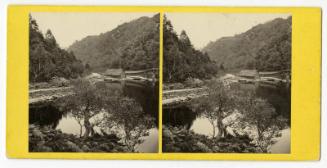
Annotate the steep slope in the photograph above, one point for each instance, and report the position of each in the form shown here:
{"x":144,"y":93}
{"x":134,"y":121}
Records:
{"x":242,"y":50}
{"x":47,"y":59}
{"x":181,"y":61}
{"x":136,"y":40}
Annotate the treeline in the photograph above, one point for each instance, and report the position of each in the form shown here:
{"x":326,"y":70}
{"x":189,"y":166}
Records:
{"x":266,"y":47}
{"x":181,"y":60}
{"x":132,"y":45}
{"x":47,"y":59}
{"x":276,"y":55}
{"x":143,"y":51}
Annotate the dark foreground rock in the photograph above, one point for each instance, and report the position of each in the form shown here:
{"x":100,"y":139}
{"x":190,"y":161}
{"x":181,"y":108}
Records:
{"x":49,"y":140}
{"x":183,"y":140}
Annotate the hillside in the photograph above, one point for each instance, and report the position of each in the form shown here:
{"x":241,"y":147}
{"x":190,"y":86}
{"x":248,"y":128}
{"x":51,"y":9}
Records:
{"x":262,"y":47}
{"x":136,"y":42}
{"x":47,"y":59}
{"x":181,"y":60}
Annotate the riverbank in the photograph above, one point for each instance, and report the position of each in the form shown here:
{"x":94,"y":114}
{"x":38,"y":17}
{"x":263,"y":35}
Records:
{"x":50,"y":140}
{"x":179,"y":139}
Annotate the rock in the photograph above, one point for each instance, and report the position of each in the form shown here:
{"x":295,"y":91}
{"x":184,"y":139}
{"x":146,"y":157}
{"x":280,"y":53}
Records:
{"x":73,"y":146}
{"x":32,"y":126}
{"x":44,"y":149}
{"x":104,"y":147}
{"x":167,"y":133}
{"x":178,"y":86}
{"x":230,"y":131}
{"x":232,"y":118}
{"x":85,"y":148}
{"x":194,"y":82}
{"x":215,"y":148}
{"x":197,"y":82}
{"x":203,"y":147}
{"x":59,"y":81}
{"x":37,"y":133}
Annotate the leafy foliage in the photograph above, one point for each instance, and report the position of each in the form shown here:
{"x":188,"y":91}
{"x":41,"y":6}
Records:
{"x":128,"y":114}
{"x":265,"y":47}
{"x":216,"y":106}
{"x":275,"y":55}
{"x":88,"y":101}
{"x":98,"y":105}
{"x":47,"y":59}
{"x":133,"y":45}
{"x":181,"y":60}
{"x":262,"y":115}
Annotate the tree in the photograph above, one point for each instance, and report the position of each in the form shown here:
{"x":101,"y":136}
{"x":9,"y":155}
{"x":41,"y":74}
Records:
{"x":141,"y":53}
{"x":222,"y":66}
{"x":87,"y":101}
{"x":185,"y":41}
{"x":215,"y":106}
{"x":47,"y":59}
{"x":128,"y":114}
{"x":259,"y":113}
{"x":91,"y":100}
{"x":50,"y":39}
{"x":276,"y":55}
{"x":181,"y":60}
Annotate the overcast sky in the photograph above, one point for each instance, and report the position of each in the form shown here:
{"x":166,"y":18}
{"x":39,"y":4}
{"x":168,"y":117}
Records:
{"x":205,"y":27}
{"x":69,"y":27}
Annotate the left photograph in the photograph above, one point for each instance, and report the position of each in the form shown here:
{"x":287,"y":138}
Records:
{"x":93,"y":82}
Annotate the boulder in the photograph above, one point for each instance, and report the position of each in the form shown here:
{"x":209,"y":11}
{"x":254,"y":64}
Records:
{"x":85,"y":148}
{"x":59,"y":81}
{"x":73,"y":147}
{"x":203,"y":147}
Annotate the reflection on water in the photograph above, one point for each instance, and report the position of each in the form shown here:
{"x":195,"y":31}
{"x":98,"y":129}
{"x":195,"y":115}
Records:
{"x":278,"y":97}
{"x":283,"y":143}
{"x":181,"y":116}
{"x":147,"y":96}
{"x":150,"y":144}
{"x":68,"y":124}
{"x":47,"y":115}
{"x":201,"y":125}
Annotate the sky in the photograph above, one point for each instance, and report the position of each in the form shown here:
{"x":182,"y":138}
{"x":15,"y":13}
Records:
{"x":69,"y":27}
{"x":205,"y":27}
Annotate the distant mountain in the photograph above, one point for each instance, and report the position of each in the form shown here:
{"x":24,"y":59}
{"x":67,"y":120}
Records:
{"x":265,"y":47}
{"x":134,"y":45}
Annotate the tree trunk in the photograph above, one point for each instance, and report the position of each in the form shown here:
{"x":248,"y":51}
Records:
{"x":259,"y":133}
{"x":81,"y":128}
{"x":214,"y":130}
{"x":220,"y":126}
{"x":127,"y":140}
{"x":88,"y":126}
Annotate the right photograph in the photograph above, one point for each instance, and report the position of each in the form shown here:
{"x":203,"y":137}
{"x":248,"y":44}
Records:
{"x":227,"y":83}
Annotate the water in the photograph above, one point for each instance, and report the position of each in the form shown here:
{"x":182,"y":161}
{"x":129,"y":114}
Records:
{"x":278,"y":97}
{"x":145,"y":95}
{"x":283,"y":142}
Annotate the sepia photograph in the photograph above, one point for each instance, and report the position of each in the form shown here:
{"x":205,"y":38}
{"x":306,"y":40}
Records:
{"x":227,"y":82}
{"x":94,"y":82}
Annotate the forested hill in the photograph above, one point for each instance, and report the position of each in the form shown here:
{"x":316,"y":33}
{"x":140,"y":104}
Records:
{"x":136,"y":43}
{"x":181,"y":60}
{"x":264,"y":47}
{"x":47,"y":59}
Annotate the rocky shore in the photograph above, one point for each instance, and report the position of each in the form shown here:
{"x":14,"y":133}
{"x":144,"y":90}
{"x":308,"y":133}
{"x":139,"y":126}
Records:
{"x":50,"y":140}
{"x":183,"y":140}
